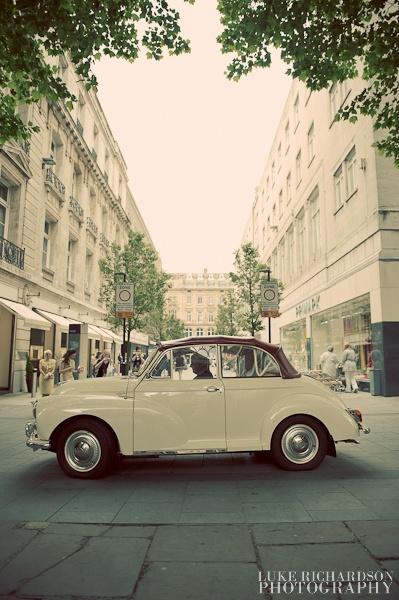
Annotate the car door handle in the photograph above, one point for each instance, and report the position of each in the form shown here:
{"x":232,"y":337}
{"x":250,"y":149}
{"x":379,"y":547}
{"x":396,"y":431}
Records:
{"x":213,"y":389}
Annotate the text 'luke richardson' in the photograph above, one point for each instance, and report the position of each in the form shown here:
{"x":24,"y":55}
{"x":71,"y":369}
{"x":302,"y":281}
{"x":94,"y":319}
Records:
{"x":325,"y":582}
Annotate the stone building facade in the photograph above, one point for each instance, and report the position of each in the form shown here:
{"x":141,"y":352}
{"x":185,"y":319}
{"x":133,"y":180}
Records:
{"x":64,"y":198}
{"x":326,"y":219}
{"x":194,"y":299}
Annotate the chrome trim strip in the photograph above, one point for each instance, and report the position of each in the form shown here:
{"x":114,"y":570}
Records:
{"x":174,"y":452}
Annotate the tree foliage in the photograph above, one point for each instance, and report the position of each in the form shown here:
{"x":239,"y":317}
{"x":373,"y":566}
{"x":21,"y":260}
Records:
{"x":324,"y":41}
{"x":139,"y":261}
{"x":164,"y":326}
{"x":246,"y":279}
{"x":32,"y":30}
{"x":228,"y":317}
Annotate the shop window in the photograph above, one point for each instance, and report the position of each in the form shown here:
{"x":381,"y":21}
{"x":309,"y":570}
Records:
{"x":293,"y":342}
{"x":64,"y":339}
{"x":36,"y":344}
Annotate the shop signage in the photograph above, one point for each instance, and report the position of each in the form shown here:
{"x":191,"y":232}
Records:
{"x":269,"y":298}
{"x":307,"y":307}
{"x":124,"y":300}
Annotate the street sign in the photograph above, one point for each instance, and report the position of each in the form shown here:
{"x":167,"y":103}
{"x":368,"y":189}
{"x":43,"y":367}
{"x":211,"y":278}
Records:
{"x":124,"y":300}
{"x":269,"y":298}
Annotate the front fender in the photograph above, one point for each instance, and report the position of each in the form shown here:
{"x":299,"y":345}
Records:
{"x":338,"y":422}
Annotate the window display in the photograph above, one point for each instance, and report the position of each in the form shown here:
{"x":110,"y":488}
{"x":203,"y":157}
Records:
{"x":293,"y":341}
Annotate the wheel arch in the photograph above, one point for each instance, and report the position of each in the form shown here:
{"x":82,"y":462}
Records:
{"x":57,"y":431}
{"x":330,"y":441}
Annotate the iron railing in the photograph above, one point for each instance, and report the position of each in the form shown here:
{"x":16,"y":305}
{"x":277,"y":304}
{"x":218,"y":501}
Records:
{"x":91,"y":226}
{"x":76,"y":209}
{"x":11,"y":253}
{"x":104,"y":241}
{"x":54,"y":182}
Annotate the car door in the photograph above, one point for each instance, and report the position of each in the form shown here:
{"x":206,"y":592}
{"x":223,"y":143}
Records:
{"x":180,"y":405}
{"x":253,"y":385}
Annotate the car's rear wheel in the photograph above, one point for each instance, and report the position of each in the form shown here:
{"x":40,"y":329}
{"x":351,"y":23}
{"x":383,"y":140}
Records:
{"x":299,"y":444}
{"x":85,"y":449}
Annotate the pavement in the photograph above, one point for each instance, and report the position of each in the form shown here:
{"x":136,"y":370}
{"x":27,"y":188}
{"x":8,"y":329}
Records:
{"x":199,"y":527}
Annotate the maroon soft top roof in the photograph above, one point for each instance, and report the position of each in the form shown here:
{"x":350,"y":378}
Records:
{"x":287,"y":370}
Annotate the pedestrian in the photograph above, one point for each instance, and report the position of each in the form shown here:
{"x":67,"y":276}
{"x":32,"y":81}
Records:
{"x":46,"y":370}
{"x":180,"y":364}
{"x":102,"y":364}
{"x":68,"y":367}
{"x":329,"y":362}
{"x":349,"y":367}
{"x":137,"y":359}
{"x":93,"y":360}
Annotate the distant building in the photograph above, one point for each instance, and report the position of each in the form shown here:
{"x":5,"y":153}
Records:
{"x":194,"y":298}
{"x":326,"y":218}
{"x":64,"y":198}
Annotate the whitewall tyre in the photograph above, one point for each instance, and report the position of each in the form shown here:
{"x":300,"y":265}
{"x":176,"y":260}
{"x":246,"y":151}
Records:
{"x":299,"y":444}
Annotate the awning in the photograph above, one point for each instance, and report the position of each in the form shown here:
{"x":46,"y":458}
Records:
{"x":94,"y":332}
{"x":63,"y":322}
{"x":30,"y":317}
{"x":115,"y":337}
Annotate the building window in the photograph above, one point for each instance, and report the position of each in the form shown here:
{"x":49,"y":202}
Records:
{"x":268,"y":228}
{"x":301,"y":238}
{"x":288,"y":188}
{"x":298,"y":167}
{"x":296,"y":112}
{"x":274,"y":215}
{"x":188,"y":316}
{"x":339,"y":187}
{"x":199,"y":316}
{"x":345,"y":183}
{"x":350,"y":162}
{"x":279,"y":156}
{"x":3,"y":210}
{"x":71,"y":260}
{"x":281,"y":260}
{"x":287,"y":136}
{"x":210,"y":317}
{"x":280,"y":203}
{"x":189,"y":332}
{"x":273,"y":172}
{"x":46,"y":254}
{"x":211,"y":331}
{"x":334,"y":101}
{"x":89,"y":271}
{"x":314,"y":224}
{"x":290,"y":253}
{"x":311,"y":143}
{"x":199,"y":331}
{"x":188,"y":299}
{"x":199,"y":300}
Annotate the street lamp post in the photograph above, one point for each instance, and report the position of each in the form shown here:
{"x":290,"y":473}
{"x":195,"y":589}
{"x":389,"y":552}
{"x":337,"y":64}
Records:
{"x":124,"y":353}
{"x":268,"y":271}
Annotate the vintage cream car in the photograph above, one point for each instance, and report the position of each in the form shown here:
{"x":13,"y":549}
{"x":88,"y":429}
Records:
{"x":194,"y":395}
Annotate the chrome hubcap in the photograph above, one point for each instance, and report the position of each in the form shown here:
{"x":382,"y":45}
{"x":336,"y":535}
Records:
{"x":300,"y":444}
{"x":82,"y":451}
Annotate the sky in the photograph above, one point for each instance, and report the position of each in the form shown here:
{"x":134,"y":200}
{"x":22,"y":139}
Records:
{"x":195,"y":143}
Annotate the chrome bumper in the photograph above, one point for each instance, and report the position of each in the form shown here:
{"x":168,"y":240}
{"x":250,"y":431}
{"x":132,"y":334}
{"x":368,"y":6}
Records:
{"x":32,"y":441}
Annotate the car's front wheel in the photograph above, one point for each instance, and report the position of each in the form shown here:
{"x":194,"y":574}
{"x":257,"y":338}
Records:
{"x":85,"y":449}
{"x":299,"y":444}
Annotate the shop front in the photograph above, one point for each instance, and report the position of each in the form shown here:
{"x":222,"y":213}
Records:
{"x":346,"y":323}
{"x":294,"y":343}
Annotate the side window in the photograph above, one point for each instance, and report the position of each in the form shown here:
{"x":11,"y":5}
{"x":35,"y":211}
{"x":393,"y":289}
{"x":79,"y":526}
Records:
{"x":162,"y":368}
{"x":194,"y":362}
{"x":246,"y":361}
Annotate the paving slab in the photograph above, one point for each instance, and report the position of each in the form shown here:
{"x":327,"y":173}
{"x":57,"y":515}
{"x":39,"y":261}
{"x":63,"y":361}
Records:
{"x":75,"y":529}
{"x":226,"y":518}
{"x":151,"y":513}
{"x":12,"y":541}
{"x":343,"y":514}
{"x":301,"y":533}
{"x":316,"y":557}
{"x":43,"y":553}
{"x":380,"y":538}
{"x":199,"y":581}
{"x":121,"y":531}
{"x":275,"y":512}
{"x":212,"y":543}
{"x":104,"y":567}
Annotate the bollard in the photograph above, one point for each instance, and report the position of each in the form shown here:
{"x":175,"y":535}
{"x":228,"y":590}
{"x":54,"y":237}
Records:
{"x":34,"y":384}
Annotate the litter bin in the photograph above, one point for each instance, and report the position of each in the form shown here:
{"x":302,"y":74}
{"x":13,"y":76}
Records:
{"x":375,"y":382}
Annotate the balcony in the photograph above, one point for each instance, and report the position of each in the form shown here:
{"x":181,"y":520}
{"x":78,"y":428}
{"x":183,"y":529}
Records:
{"x":103,"y":241}
{"x":91,"y":226}
{"x":76,"y":210}
{"x":11,"y":253}
{"x":54,"y":184}
{"x":94,"y":154}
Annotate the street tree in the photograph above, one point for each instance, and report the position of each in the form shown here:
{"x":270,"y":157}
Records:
{"x":324,"y":41}
{"x":164,"y":326}
{"x":246,"y":279}
{"x":138,"y":260}
{"x":33,"y":30}
{"x":228,"y":317}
